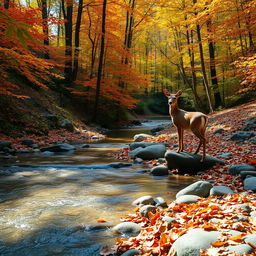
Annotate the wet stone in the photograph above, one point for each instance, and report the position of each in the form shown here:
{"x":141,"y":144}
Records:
{"x":128,"y":228}
{"x":220,"y":191}
{"x":144,"y":200}
{"x":187,"y":199}
{"x":144,"y":210}
{"x":240,"y":249}
{"x":131,"y":252}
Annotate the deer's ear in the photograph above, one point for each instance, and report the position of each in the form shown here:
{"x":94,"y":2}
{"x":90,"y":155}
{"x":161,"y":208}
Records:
{"x":179,"y":93}
{"x":166,"y":92}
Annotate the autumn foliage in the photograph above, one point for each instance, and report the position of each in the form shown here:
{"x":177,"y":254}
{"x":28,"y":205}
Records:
{"x":20,"y":48}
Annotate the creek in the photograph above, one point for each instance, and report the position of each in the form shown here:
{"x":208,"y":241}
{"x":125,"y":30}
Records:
{"x":50,"y":204}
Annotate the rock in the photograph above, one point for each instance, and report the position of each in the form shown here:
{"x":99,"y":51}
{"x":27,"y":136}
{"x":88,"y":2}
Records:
{"x":244,"y":174}
{"x":144,"y":200}
{"x":145,"y":209}
{"x":253,"y":213}
{"x":187,"y":199}
{"x":220,"y":191}
{"x":137,"y":160}
{"x":226,"y":155}
{"x":47,"y":153}
{"x":135,"y":145}
{"x":250,"y":124}
{"x":95,"y":137}
{"x":134,"y":123}
{"x":161,"y":160}
{"x":5,"y":144}
{"x":141,"y":137}
{"x":51,"y":117}
{"x":159,"y":170}
{"x":250,"y":183}
{"x":25,"y":151}
{"x":242,"y":135}
{"x":241,"y":218}
{"x":131,"y":252}
{"x":193,"y":241}
{"x":252,"y":140}
{"x":251,"y":239}
{"x":119,"y":165}
{"x":27,"y":142}
{"x":240,"y":249}
{"x":127,"y":228}
{"x":155,"y":130}
{"x":169,"y":220}
{"x":218,"y":131}
{"x":237,"y":168}
{"x":199,"y":188}
{"x":150,"y":152}
{"x":244,"y":207}
{"x":184,"y":161}
{"x":85,"y":146}
{"x":66,"y":124}
{"x":160,"y":202}
{"x":63,"y":147}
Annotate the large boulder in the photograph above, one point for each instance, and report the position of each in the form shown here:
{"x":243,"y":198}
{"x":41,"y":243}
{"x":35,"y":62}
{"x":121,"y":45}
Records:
{"x":188,"y":162}
{"x":199,"y":188}
{"x":63,"y":147}
{"x":141,"y":137}
{"x":193,"y":241}
{"x":150,"y":152}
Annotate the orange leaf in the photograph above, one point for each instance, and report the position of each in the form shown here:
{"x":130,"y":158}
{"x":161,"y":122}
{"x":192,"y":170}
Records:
{"x":238,"y":238}
{"x":209,"y":227}
{"x":101,"y":221}
{"x":218,"y":243}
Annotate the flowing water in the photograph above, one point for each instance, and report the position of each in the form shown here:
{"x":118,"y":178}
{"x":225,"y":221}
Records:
{"x":50,"y":204}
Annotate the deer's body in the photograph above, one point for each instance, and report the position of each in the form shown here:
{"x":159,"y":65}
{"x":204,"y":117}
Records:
{"x":190,"y":121}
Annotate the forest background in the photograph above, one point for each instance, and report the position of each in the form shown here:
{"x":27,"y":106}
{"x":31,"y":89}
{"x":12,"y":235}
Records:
{"x":106,"y":61}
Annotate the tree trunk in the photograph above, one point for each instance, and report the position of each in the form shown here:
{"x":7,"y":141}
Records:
{"x":201,"y":53}
{"x":77,"y":39}
{"x":213,"y":72}
{"x":6,"y":4}
{"x":45,"y":27}
{"x":102,"y":48}
{"x":68,"y":39}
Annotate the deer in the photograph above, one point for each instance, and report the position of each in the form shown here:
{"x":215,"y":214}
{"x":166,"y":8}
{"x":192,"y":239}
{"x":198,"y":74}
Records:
{"x":190,"y":121}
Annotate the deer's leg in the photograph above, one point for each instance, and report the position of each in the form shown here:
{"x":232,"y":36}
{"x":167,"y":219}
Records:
{"x":201,"y":137}
{"x":179,"y":139}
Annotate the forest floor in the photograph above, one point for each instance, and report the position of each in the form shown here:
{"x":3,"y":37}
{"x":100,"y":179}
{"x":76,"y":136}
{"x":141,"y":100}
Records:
{"x":156,"y":237}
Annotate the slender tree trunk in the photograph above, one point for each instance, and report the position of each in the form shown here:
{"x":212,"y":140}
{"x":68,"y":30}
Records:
{"x":59,"y":26}
{"x":102,"y":48}
{"x":201,"y":53}
{"x":6,"y":4}
{"x":45,"y":27}
{"x":77,"y":39}
{"x":213,"y":72}
{"x":68,"y":38}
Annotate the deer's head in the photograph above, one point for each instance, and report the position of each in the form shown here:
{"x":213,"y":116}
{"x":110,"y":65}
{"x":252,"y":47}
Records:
{"x":172,"y":98}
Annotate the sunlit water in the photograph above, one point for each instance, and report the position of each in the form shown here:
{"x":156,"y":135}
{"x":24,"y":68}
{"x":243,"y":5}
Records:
{"x":49,"y":205}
